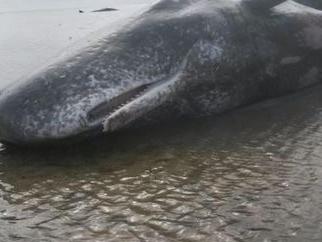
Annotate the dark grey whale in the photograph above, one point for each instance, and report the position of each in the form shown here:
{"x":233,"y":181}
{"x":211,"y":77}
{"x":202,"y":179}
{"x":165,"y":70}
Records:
{"x":181,"y":58}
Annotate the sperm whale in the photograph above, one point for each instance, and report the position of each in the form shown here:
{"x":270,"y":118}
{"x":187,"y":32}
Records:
{"x":181,"y":58}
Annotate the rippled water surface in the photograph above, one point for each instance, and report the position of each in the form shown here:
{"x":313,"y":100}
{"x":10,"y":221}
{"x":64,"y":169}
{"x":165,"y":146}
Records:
{"x":254,"y":174}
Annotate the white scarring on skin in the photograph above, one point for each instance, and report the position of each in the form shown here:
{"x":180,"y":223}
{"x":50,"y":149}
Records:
{"x":158,"y":94}
{"x":151,"y":99}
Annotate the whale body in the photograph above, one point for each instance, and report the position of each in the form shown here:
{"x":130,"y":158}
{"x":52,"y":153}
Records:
{"x":181,"y":58}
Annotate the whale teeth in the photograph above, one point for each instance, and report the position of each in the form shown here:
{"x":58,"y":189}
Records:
{"x":108,"y":107}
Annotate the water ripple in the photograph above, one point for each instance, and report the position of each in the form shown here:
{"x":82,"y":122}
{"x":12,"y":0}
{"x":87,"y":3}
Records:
{"x":249,"y":175}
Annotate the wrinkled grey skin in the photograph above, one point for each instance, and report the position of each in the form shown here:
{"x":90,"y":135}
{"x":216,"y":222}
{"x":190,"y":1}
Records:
{"x":182,"y":58}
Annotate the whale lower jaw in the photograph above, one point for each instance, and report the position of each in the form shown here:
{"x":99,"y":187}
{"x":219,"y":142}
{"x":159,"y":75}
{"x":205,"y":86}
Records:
{"x":152,"y":97}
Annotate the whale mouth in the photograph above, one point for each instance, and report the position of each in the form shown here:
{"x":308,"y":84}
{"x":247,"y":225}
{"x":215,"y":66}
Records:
{"x":122,"y":110}
{"x":107,"y":108}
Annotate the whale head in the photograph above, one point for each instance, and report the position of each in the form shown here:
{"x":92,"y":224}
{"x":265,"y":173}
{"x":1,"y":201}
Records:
{"x":117,"y":81}
{"x":47,"y":109}
{"x":58,"y":104}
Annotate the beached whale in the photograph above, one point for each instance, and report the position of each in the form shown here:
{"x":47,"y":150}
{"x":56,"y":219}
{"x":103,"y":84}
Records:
{"x":181,"y":58}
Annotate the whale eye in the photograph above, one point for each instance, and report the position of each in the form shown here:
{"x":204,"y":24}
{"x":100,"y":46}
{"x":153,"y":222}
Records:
{"x":107,"y":107}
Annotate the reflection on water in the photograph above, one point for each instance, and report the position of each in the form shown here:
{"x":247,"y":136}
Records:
{"x":249,"y":175}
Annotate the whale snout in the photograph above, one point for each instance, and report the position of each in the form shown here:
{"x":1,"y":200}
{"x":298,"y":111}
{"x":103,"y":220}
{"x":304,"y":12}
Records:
{"x":45,"y":115}
{"x":28,"y":117}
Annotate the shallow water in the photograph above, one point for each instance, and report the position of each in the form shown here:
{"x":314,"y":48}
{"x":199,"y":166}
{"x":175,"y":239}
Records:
{"x":254,"y":174}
